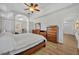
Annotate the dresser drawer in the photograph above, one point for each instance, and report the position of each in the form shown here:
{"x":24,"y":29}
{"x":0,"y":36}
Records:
{"x":52,"y":39}
{"x":51,"y":35}
{"x":51,"y":28}
{"x":51,"y":31}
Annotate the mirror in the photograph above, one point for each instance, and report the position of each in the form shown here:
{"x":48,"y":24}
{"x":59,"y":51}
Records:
{"x":38,"y":26}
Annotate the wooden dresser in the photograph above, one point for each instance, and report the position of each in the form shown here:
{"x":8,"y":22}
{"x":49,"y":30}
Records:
{"x":40,"y":32}
{"x":52,"y":33}
{"x":36,"y":31}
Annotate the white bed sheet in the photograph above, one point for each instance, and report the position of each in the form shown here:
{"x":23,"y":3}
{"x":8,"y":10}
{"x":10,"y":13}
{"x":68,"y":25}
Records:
{"x":26,"y":41}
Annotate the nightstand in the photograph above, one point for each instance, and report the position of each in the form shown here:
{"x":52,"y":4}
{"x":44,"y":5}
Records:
{"x":43,"y":33}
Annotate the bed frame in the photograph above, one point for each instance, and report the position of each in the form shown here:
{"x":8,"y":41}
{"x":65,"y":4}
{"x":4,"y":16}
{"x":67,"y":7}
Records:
{"x":33,"y":49}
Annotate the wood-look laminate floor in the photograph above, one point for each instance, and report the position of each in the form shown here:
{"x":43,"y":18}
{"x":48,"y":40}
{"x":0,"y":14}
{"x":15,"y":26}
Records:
{"x":68,"y":48}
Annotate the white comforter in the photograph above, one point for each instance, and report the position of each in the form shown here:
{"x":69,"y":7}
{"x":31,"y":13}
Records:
{"x":7,"y":42}
{"x":17,"y":43}
{"x":26,"y":39}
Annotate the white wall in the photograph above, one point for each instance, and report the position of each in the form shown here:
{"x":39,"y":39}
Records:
{"x":0,"y":24}
{"x":69,"y":28}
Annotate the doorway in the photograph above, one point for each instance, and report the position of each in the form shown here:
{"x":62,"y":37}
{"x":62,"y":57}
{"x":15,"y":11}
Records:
{"x":21,"y":24}
{"x":70,"y":41}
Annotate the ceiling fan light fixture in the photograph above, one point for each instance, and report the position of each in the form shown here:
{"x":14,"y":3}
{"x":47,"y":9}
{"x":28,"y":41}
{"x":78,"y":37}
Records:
{"x":31,"y":9}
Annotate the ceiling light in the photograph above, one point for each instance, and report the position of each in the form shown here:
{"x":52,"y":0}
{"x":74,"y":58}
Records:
{"x":31,"y":9}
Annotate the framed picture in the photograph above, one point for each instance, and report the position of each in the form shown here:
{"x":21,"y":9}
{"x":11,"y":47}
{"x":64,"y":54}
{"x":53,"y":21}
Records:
{"x":77,"y":25}
{"x":38,"y":26}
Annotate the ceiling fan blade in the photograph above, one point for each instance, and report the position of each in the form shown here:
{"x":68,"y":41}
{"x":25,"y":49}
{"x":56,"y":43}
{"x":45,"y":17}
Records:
{"x":36,"y":5}
{"x":31,"y":4}
{"x":32,"y":11}
{"x":26,"y":9}
{"x":37,"y":9}
{"x":26,"y":4}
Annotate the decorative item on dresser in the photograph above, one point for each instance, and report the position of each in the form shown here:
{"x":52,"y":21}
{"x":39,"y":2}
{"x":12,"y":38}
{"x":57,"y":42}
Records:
{"x":52,"y":33}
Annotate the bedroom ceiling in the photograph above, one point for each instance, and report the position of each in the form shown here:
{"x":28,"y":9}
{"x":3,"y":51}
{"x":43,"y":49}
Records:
{"x":44,"y":7}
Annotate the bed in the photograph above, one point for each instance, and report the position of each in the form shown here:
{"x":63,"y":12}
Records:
{"x":26,"y":43}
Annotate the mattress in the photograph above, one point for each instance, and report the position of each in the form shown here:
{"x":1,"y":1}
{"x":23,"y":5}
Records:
{"x":26,"y":41}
